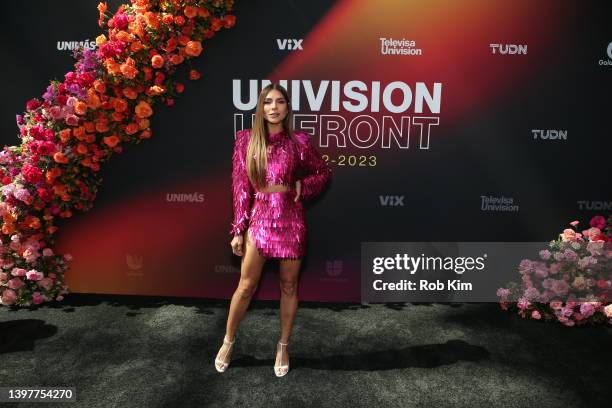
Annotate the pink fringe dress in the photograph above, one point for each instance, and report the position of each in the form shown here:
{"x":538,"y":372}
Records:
{"x":274,"y":221}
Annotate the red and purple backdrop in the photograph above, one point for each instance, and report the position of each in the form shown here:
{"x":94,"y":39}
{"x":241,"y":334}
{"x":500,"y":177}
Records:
{"x":442,"y":121}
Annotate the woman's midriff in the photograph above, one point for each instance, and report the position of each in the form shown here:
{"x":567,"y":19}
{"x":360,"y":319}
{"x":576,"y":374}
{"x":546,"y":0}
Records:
{"x":275,"y":188}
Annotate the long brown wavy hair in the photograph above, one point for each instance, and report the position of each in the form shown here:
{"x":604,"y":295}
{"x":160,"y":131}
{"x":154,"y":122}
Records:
{"x":256,"y":166}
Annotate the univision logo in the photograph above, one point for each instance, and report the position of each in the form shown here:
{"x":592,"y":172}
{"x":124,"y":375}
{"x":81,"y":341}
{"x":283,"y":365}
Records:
{"x":72,"y":45}
{"x":607,"y":62}
{"x":185,"y":197}
{"x":549,"y":134}
{"x":508,"y":49}
{"x":290,"y":44}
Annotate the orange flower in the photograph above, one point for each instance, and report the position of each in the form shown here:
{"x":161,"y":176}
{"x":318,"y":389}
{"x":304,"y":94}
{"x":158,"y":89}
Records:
{"x":119,"y":104}
{"x":183,"y":40}
{"x":99,"y":86}
{"x":111,"y":141}
{"x":52,"y":174}
{"x":32,"y":222}
{"x":194,"y":75}
{"x":64,"y":135}
{"x":130,"y":93}
{"x":102,"y":7}
{"x":176,"y":59}
{"x":8,"y":229}
{"x":190,"y":11}
{"x":168,"y":19}
{"x":124,"y":36}
{"x":229,"y":21}
{"x":128,"y":70}
{"x":155,"y":90}
{"x":102,"y":125}
{"x":179,"y":20}
{"x":93,"y":101}
{"x":171,"y":44}
{"x":143,"y":110}
{"x":112,"y":66}
{"x":145,"y":134}
{"x":136,"y":28}
{"x":81,"y":148}
{"x":60,"y":157}
{"x":179,"y":87}
{"x":117,"y":116}
{"x":51,"y":229}
{"x":101,"y":39}
{"x":90,"y":138}
{"x":143,"y":123}
{"x":89,"y":127}
{"x":80,"y":108}
{"x":202,"y":12}
{"x":216,"y":24}
{"x":151,"y":19}
{"x":193,"y":48}
{"x":131,"y":128}
{"x":136,"y":46}
{"x":79,"y":132}
{"x":157,"y":61}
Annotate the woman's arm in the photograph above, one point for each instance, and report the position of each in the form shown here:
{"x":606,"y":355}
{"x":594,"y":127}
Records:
{"x":316,"y":172}
{"x":242,"y":190}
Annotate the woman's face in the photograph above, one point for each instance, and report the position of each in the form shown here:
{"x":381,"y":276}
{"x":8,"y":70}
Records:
{"x":275,"y":107}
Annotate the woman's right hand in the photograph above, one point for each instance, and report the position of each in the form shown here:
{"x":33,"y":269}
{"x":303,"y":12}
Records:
{"x":237,"y":245}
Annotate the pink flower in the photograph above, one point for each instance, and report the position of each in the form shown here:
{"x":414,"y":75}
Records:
{"x":570,"y":255}
{"x":503,"y":293}
{"x":68,"y":257}
{"x":554,"y":268}
{"x":47,"y":252}
{"x":558,"y":256}
{"x":18,"y":272}
{"x":560,"y":287}
{"x":59,"y":298}
{"x":45,"y":283}
{"x":556,"y":304}
{"x":591,"y":233}
{"x":598,"y":222}
{"x":545,"y":254}
{"x":37,"y":298}
{"x":22,"y":195}
{"x":15,"y":283}
{"x":55,"y":112}
{"x":72,"y":120}
{"x":566,"y":321}
{"x":587,"y":309}
{"x":570,"y":235}
{"x":8,"y":297}
{"x":574,"y":223}
{"x":608,"y":310}
{"x":523,"y":303}
{"x":525,"y":266}
{"x":536,"y":315}
{"x":595,"y":247}
{"x":34,"y":275}
{"x":3,"y":277}
{"x":71,"y":101}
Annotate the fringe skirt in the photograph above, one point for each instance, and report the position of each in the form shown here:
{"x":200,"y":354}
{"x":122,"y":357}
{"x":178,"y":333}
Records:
{"x":277,"y":226}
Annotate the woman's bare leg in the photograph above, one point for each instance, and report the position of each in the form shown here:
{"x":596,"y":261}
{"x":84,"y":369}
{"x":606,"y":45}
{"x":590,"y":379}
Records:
{"x":250,"y":273}
{"x":289,"y":274}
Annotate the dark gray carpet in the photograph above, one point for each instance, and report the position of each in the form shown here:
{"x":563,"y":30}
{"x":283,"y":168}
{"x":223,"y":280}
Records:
{"x":121,"y":351}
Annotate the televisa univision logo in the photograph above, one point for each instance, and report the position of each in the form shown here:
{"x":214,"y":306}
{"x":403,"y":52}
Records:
{"x":392,"y":46}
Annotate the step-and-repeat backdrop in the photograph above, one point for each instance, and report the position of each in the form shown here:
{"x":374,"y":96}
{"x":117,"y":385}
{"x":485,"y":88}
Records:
{"x":444,"y":121}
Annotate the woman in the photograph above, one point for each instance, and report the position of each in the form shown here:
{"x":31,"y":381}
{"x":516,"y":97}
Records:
{"x":283,"y":167}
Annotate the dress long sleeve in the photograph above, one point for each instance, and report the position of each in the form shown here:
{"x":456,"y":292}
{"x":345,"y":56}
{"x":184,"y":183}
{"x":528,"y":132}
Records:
{"x":316,"y":173}
{"x":242,"y":189}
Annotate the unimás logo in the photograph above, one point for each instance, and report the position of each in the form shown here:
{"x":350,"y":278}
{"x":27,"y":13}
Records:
{"x":490,"y":203}
{"x":607,"y":62}
{"x":290,"y":44}
{"x":72,"y":45}
{"x":584,"y":205}
{"x":508,"y":49}
{"x":185,"y":197}
{"x":392,"y":46}
{"x":391,"y":200}
{"x":549,"y":134}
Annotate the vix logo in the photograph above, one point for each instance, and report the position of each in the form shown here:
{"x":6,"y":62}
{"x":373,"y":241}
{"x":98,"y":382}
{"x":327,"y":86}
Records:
{"x":290,"y":44}
{"x":391,"y":201}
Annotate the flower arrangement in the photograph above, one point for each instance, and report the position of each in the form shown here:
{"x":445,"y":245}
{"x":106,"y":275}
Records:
{"x":80,"y":122}
{"x":570,"y":282}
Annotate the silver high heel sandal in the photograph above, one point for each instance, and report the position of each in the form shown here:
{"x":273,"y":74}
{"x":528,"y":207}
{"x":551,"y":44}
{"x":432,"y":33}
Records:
{"x":281,"y":370}
{"x":221,"y":364}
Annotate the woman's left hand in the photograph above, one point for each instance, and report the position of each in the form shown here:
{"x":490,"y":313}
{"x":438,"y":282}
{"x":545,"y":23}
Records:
{"x":298,"y":190}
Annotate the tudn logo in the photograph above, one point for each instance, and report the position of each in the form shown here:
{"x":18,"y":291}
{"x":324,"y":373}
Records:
{"x":595,"y":205}
{"x":508,"y":49}
{"x":134,"y":262}
{"x":549,"y":134}
{"x":72,"y":45}
{"x":185,"y":198}
{"x":291,"y":44}
{"x":391,"y":201}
